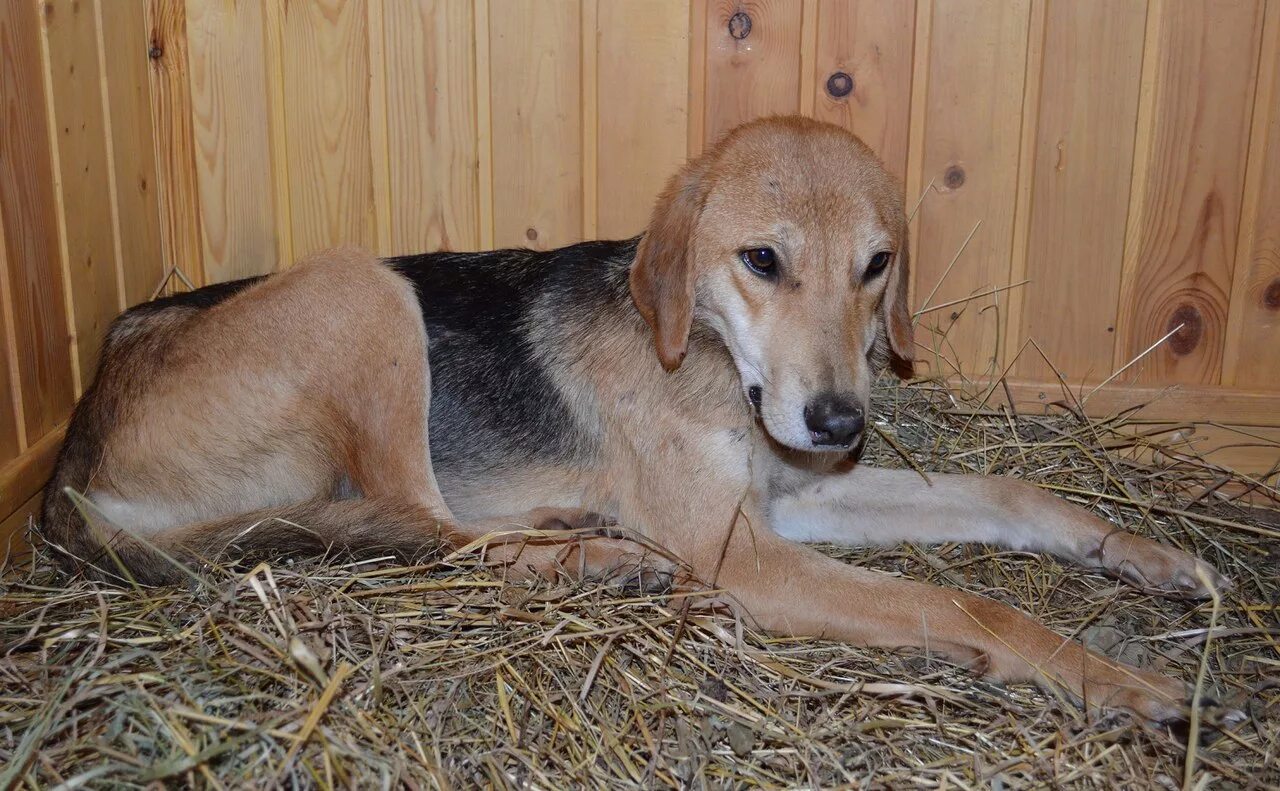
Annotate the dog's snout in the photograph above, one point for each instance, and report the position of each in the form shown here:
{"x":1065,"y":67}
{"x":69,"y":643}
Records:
{"x":833,"y":420}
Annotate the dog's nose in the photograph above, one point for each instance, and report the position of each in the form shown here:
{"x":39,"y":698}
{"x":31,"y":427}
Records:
{"x":833,"y":420}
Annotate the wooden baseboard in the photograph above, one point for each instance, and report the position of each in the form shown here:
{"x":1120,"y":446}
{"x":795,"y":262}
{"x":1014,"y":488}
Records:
{"x":1167,"y":403}
{"x":1234,"y":429}
{"x":21,"y":481}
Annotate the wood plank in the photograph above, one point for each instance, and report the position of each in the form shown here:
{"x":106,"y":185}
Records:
{"x":1236,"y":429}
{"x":917,"y":189}
{"x":1252,"y":451}
{"x":535,"y":92}
{"x":484,"y":126}
{"x":1082,"y":156}
{"x":1160,"y":402}
{"x":25,"y":476}
{"x":123,"y":30}
{"x":808,"y":53}
{"x":79,"y":123}
{"x":431,"y":122}
{"x":1189,"y":176}
{"x":177,"y":183}
{"x":273,"y":45}
{"x":327,"y":83}
{"x":1015,"y":299}
{"x":753,"y":61}
{"x":976,"y":75}
{"x":697,"y":106}
{"x":870,"y":42}
{"x":14,"y":527}
{"x":44,"y":374}
{"x":643,"y":121}
{"x":13,"y":434}
{"x":230,"y":115}
{"x":379,"y":144}
{"x":1252,"y":357}
{"x":589,"y":112}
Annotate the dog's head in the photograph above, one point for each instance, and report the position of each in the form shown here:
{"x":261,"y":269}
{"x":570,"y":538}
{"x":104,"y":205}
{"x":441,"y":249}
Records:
{"x":789,"y":240}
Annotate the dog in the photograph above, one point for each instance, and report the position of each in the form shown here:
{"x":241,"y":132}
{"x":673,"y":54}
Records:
{"x":703,"y":385}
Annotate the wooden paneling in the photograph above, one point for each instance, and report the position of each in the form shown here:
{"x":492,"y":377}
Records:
{"x":12,"y":433}
{"x":1120,"y":156}
{"x":326,"y":93}
{"x":80,"y":138}
{"x":1253,"y":327}
{"x":1082,"y":160}
{"x":229,"y":113}
{"x":535,"y":90}
{"x":976,"y":75}
{"x":642,"y":99}
{"x":870,"y":42}
{"x":123,"y":31}
{"x":177,"y":178}
{"x":1193,"y":141}
{"x":28,"y":212}
{"x":13,"y":529}
{"x":431,"y":124}
{"x":23,"y":478}
{"x":753,"y":61}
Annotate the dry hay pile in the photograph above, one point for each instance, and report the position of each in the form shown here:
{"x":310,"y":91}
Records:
{"x":311,"y":674}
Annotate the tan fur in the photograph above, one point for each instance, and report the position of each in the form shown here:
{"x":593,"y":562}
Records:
{"x":285,"y":391}
{"x":267,"y":404}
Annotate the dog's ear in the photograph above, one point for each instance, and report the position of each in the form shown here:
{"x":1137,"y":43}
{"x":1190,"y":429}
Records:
{"x":663,"y":273}
{"x":896,"y":312}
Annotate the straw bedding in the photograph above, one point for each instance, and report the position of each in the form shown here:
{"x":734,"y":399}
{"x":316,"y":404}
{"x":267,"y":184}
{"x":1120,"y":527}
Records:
{"x":336,"y":674}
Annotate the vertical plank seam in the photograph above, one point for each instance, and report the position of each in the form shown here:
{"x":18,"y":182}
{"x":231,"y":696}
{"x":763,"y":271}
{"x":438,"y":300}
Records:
{"x":379,"y":140}
{"x":1255,"y":163}
{"x":113,"y":196}
{"x":55,"y":161}
{"x":808,"y":56}
{"x":1030,"y":133}
{"x":11,"y":345}
{"x":273,"y":42}
{"x":590,"y":76}
{"x":1144,"y":135}
{"x":914,"y":188}
{"x":484,"y":124}
{"x":697,"y":112}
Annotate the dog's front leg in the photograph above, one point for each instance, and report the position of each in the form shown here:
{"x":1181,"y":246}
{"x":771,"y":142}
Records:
{"x":875,"y":506}
{"x":788,"y":588}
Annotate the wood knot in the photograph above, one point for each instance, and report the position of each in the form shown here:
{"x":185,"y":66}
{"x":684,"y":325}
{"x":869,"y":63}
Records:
{"x":953,"y":177}
{"x":740,"y":25}
{"x":1271,"y":297}
{"x":531,"y":234}
{"x":839,"y":85}
{"x":156,"y":51}
{"x":1187,"y":326}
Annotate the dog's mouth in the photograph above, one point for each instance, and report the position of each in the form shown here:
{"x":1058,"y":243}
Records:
{"x":795,"y":434}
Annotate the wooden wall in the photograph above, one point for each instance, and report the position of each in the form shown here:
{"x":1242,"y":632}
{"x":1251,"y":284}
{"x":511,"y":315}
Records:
{"x":1114,"y":165}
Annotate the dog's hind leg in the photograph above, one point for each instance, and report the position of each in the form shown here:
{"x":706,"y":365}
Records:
{"x":386,"y":403}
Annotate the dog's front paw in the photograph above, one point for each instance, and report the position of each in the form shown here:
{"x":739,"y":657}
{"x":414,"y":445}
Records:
{"x":1153,"y":566}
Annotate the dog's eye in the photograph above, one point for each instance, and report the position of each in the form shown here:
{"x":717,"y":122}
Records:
{"x":761,"y":260}
{"x":877,"y":264}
